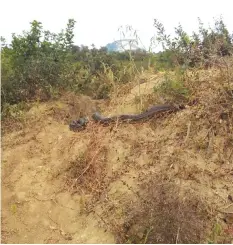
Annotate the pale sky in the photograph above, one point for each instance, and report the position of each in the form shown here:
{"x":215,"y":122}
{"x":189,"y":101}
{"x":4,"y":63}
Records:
{"x":99,"y":20}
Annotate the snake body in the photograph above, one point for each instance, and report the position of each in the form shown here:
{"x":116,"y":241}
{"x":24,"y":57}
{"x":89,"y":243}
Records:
{"x":80,"y":124}
{"x":127,"y":117}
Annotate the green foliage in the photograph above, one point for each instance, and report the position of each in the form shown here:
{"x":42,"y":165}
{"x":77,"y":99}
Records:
{"x":15,"y":112}
{"x":216,"y":232}
{"x":199,"y":49}
{"x":173,"y":89}
{"x":33,"y":62}
{"x":39,"y":64}
{"x":164,"y":60}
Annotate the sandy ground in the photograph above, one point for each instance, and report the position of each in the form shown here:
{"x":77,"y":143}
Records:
{"x":38,"y":206}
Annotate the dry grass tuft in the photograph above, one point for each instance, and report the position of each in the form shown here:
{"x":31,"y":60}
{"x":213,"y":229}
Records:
{"x":73,"y":107}
{"x":87,"y":174}
{"x":164,"y":213}
{"x":69,"y":107}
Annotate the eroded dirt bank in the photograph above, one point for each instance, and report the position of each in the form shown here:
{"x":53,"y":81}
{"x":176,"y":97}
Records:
{"x":166,"y":180}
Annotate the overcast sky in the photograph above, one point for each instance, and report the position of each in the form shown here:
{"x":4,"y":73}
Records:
{"x":99,"y":20}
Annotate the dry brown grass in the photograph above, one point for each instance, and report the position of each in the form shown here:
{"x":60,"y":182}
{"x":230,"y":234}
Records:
{"x":87,"y":174}
{"x":164,"y":213}
{"x":69,"y":107}
{"x":77,"y":106}
{"x":178,"y":188}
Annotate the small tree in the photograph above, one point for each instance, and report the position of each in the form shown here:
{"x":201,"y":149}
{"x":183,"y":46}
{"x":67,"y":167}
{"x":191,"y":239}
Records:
{"x":34,"y":61}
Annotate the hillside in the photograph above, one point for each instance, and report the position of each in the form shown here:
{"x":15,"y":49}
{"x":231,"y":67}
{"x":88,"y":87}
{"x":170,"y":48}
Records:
{"x":165,"y":180}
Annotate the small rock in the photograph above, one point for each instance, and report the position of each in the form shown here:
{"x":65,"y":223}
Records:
{"x":21,"y":196}
{"x":230,"y":198}
{"x":67,"y":236}
{"x":52,"y":227}
{"x":228,"y":219}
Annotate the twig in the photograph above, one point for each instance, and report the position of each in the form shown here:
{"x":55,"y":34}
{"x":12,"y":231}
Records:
{"x":43,"y":200}
{"x":226,"y":212}
{"x":147,"y":234}
{"x":178,"y":233}
{"x":117,"y":122}
{"x":101,"y":219}
{"x":53,"y":220}
{"x":188,"y":132}
{"x":88,"y":166}
{"x":59,"y":204}
{"x":210,"y":143}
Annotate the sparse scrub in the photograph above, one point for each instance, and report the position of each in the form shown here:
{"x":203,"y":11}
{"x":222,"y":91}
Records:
{"x":14,"y":116}
{"x":178,"y":164}
{"x":173,"y":89}
{"x":87,"y":174}
{"x":202,"y":49}
{"x":40,"y":65}
{"x":162,"y":213}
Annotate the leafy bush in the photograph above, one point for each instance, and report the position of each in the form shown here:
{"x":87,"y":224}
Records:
{"x":200,"y":49}
{"x":172,"y":88}
{"x":38,"y":64}
{"x":33,"y":62}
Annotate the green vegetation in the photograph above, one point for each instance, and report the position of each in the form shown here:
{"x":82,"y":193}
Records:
{"x":190,"y":148}
{"x":39,"y":65}
{"x":173,"y":88}
{"x":200,"y":49}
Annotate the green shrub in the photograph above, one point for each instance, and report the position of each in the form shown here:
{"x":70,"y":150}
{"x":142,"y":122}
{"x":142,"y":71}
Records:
{"x":173,"y":89}
{"x":34,"y":61}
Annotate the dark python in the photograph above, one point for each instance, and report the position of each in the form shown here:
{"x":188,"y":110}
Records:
{"x":80,"y":124}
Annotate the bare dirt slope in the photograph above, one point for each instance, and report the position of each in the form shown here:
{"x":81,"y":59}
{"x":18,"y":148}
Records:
{"x":147,"y":182}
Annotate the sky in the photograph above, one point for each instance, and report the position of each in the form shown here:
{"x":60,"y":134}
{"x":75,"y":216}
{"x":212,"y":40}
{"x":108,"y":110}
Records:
{"x":97,"y":21}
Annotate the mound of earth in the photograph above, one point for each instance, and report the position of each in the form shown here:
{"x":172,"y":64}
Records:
{"x":166,"y":180}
